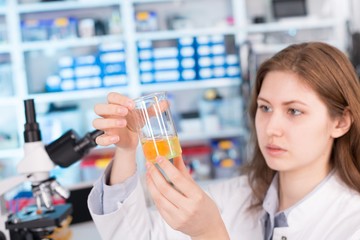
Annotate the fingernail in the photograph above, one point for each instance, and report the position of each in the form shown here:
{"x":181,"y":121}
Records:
{"x":120,"y":122}
{"x":114,"y":139}
{"x":120,"y":110}
{"x":130,"y":104}
{"x":159,"y":159}
{"x":148,"y":165}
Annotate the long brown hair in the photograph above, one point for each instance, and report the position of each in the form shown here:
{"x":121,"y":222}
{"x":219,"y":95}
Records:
{"x":331,"y":75}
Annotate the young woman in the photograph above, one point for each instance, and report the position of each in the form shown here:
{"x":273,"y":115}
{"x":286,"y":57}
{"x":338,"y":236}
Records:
{"x":303,"y":181}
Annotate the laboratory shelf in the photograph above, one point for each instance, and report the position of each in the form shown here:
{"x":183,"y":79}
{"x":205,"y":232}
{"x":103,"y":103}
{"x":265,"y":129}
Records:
{"x":262,"y":48}
{"x":11,"y":153}
{"x":173,"y":34}
{"x":3,"y":10}
{"x":102,"y":92}
{"x":187,"y":85}
{"x":77,"y":95}
{"x":5,"y":48}
{"x":201,"y":135}
{"x":61,"y":6}
{"x":152,"y":1}
{"x":70,"y":43}
{"x":8,"y":101}
{"x":288,"y":25}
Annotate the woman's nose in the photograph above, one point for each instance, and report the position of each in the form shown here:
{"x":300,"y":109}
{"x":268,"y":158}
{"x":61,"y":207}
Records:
{"x":275,"y":125}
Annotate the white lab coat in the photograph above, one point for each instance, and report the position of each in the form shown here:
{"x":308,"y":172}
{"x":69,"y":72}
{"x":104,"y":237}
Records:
{"x":331,"y":213}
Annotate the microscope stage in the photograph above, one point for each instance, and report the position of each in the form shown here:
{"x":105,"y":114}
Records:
{"x":28,"y":218}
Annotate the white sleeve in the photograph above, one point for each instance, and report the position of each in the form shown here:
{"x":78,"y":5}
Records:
{"x":355,"y":236}
{"x":132,"y":219}
{"x":106,"y":201}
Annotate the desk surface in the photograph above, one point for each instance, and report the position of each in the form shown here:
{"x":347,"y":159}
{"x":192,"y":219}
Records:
{"x":86,"y":230}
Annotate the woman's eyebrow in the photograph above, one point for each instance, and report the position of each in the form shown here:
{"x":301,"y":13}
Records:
{"x":262,"y":99}
{"x":294,"y":101}
{"x":284,"y":103}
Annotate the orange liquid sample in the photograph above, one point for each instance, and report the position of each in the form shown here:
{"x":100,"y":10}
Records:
{"x":167,"y":147}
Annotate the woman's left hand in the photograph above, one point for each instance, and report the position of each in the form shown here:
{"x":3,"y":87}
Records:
{"x":183,"y":204}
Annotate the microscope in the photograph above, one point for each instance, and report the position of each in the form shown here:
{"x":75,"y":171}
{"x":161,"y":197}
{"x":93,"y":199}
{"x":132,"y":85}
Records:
{"x":39,"y":221}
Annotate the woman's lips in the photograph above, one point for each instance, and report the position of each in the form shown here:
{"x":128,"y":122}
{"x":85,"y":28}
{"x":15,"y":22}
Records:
{"x":274,"y":150}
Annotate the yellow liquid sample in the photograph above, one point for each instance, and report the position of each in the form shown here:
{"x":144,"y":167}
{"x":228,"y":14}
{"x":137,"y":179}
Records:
{"x":167,"y":147}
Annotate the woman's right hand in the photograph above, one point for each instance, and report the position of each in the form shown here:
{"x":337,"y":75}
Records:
{"x":113,"y":122}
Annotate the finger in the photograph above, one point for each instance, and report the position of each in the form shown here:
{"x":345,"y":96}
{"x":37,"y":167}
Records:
{"x":134,"y":120}
{"x":163,"y":186}
{"x":117,"y":98}
{"x":158,"y":107}
{"x":107,"y":123}
{"x":167,"y":209}
{"x":106,"y":140}
{"x":110,"y":110}
{"x":181,"y":182}
{"x":159,"y":199}
{"x":179,"y":164}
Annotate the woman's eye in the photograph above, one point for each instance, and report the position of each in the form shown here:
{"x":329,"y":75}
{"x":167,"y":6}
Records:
{"x":294,"y":112}
{"x":265,"y":108}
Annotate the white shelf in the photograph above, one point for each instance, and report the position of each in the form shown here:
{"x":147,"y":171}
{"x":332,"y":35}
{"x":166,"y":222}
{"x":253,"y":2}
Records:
{"x":102,"y":92}
{"x":262,"y":48}
{"x":5,"y":48}
{"x":223,"y":133}
{"x":173,"y":34}
{"x":67,"y":5}
{"x":295,"y":24}
{"x":3,"y":10}
{"x":8,"y":101}
{"x":77,"y":95}
{"x":70,"y":43}
{"x":11,"y":153}
{"x":152,"y":1}
{"x":271,"y":48}
{"x":186,"y":85}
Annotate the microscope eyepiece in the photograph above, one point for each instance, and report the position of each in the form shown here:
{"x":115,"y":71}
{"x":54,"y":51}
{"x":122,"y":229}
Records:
{"x":70,"y":148}
{"x":32,"y":131}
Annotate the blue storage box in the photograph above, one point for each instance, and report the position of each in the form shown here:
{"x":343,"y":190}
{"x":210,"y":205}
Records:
{"x":166,"y":64}
{"x":114,"y":80}
{"x":167,"y":76}
{"x":87,"y":71}
{"x":112,"y":57}
{"x":67,"y":85}
{"x":88,"y":82}
{"x":147,"y":77}
{"x":112,"y":47}
{"x":165,"y":52}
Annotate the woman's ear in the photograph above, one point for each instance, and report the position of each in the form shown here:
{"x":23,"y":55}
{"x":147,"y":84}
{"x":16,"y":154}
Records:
{"x":343,"y":124}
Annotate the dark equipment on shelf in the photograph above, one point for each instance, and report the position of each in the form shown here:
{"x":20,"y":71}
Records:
{"x":288,"y":8}
{"x":355,"y":51}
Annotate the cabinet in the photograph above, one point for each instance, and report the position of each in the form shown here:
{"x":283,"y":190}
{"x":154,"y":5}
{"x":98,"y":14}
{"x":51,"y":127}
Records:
{"x":30,"y":56}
